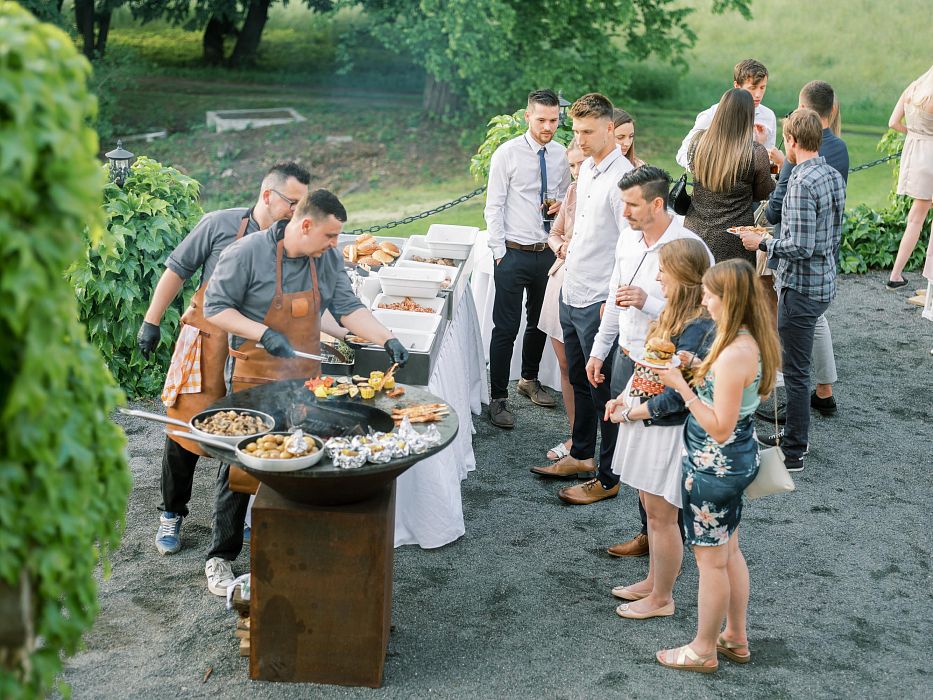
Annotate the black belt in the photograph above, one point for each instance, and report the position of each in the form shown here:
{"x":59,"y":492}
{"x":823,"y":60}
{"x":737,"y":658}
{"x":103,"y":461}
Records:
{"x":532,"y":248}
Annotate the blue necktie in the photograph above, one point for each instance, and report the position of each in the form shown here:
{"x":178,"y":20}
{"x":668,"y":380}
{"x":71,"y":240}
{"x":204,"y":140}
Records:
{"x":543,"y":163}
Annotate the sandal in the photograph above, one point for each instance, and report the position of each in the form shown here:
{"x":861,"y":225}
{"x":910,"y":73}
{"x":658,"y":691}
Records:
{"x":685,"y":659}
{"x":560,"y":450}
{"x":728,"y":649}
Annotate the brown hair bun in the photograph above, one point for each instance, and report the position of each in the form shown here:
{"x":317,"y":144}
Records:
{"x":368,"y":260}
{"x":383,"y":257}
{"x":367,"y":247}
{"x":390,"y":248}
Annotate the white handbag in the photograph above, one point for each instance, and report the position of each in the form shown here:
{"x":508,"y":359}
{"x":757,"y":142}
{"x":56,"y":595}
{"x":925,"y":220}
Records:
{"x":773,"y":476}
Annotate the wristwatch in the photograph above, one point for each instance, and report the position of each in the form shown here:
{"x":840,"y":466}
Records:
{"x":763,"y":245}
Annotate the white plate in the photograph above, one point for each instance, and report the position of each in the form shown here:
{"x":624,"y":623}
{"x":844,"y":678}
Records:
{"x":639,"y":357}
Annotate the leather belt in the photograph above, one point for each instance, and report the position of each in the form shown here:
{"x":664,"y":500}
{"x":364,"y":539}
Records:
{"x":532,"y":248}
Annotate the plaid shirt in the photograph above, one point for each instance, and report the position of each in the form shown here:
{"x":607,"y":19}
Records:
{"x":808,"y":248}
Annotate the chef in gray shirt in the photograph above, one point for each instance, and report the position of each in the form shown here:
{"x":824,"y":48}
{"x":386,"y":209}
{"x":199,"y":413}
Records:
{"x":282,"y":187}
{"x":268,"y":292}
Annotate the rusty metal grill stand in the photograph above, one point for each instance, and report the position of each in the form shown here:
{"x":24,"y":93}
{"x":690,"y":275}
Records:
{"x":321,"y":589}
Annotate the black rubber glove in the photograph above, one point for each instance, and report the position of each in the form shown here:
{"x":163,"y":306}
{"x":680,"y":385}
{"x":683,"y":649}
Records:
{"x":276,"y":344}
{"x":148,"y":338}
{"x":397,"y":352}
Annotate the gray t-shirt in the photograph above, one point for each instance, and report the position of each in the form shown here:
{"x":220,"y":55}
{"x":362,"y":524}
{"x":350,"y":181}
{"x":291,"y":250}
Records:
{"x":201,"y":248}
{"x":244,"y":279}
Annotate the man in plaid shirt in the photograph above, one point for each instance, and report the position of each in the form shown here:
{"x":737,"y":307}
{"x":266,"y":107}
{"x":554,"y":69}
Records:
{"x":807,"y":253}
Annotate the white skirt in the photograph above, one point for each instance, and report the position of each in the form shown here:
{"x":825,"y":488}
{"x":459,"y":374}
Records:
{"x":649,"y":457}
{"x":549,"y":320}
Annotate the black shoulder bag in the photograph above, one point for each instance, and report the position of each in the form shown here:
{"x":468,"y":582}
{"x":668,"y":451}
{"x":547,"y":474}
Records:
{"x":679,"y":199}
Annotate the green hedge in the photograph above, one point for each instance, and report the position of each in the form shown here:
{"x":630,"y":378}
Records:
{"x":63,"y":465}
{"x":114,"y":280}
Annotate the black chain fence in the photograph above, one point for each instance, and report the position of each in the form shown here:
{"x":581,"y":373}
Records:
{"x":479,"y":190}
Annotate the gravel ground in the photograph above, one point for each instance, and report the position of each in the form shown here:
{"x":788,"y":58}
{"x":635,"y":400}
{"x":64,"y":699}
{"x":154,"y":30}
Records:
{"x":841,"y":586}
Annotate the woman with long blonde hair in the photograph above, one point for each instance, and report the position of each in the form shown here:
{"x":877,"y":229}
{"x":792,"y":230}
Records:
{"x":913,"y":115}
{"x":648,"y":448}
{"x":732,"y":172}
{"x":722,"y":459}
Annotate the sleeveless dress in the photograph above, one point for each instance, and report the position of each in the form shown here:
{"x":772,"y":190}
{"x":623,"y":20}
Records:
{"x":715,"y":475}
{"x":916,"y":173}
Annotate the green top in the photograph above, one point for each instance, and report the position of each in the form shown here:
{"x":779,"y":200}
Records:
{"x":750,"y":398}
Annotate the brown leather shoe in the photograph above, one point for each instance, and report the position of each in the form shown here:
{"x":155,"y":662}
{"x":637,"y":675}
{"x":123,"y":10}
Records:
{"x":635,"y":547}
{"x":568,"y":468}
{"x":587,"y":492}
{"x":533,"y":390}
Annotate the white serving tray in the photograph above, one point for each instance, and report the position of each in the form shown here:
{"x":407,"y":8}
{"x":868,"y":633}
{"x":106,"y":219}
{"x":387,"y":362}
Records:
{"x":407,"y":320}
{"x":450,"y":273}
{"x":411,"y":282}
{"x":436,"y":304}
{"x":415,"y":341}
{"x":451,"y":241}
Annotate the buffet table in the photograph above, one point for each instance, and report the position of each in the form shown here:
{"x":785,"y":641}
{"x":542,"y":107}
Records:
{"x":484,"y":293}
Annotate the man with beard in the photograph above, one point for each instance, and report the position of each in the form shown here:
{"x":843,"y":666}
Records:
{"x":528,"y":177}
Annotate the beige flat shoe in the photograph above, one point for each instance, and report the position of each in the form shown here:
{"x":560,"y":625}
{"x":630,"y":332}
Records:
{"x":625,"y":594}
{"x":625,"y":610}
{"x":685,"y":659}
{"x":731,"y":650}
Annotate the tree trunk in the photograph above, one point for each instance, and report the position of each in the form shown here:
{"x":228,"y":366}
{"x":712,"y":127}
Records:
{"x":103,"y":29}
{"x":84,"y":20}
{"x":439,"y":98}
{"x":213,"y":41}
{"x":247,"y":43}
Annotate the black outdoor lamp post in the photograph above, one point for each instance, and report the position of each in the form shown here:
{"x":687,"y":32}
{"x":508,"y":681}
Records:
{"x":119,"y":164}
{"x":564,"y":104}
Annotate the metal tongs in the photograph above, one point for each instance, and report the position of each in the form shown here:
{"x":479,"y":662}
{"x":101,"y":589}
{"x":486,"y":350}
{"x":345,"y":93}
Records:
{"x":298,"y":353}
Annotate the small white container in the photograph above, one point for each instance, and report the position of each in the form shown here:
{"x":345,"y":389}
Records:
{"x":451,"y":241}
{"x":415,"y":341}
{"x":411,"y":282}
{"x":449,"y":272}
{"x":436,"y":305}
{"x":407,"y":320}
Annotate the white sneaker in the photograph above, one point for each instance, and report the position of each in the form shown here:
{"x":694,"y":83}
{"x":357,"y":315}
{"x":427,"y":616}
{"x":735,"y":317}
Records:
{"x":219,"y":574}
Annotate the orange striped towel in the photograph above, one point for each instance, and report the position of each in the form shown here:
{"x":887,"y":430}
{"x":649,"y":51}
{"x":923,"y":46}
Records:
{"x":184,"y":373}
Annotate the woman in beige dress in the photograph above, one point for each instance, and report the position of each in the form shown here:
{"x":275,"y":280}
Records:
{"x":913,"y":115}
{"x":548,"y":321}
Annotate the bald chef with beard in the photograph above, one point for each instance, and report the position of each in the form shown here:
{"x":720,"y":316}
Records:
{"x":270,"y":289}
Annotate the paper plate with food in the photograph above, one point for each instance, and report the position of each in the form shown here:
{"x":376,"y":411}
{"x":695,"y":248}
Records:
{"x":658,"y":354}
{"x":739,"y":230}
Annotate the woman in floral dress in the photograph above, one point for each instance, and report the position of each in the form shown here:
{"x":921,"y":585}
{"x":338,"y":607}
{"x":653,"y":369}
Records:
{"x":722,"y":459}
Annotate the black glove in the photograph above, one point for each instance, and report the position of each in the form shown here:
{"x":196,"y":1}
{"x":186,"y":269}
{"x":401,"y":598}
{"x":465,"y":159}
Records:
{"x":276,"y":344}
{"x":397,"y":352}
{"x":148,"y":338}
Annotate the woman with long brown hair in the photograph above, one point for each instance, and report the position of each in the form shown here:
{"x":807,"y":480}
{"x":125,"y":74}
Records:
{"x":648,"y":449}
{"x":623,"y":129}
{"x":722,"y":459}
{"x":731,"y":172}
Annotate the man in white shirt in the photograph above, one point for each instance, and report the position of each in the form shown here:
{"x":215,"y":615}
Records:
{"x":635,"y":298}
{"x":752,"y":76}
{"x":598,"y":223}
{"x":528,"y":177}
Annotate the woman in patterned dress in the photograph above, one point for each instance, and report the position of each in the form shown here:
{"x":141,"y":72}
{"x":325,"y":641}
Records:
{"x":722,"y":459}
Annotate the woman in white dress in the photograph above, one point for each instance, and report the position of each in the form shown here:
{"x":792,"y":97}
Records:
{"x":650,"y":443}
{"x":548,"y":321}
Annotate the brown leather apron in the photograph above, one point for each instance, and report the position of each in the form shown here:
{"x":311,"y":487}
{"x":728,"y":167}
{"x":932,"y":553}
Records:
{"x":213,"y":358}
{"x":298,"y":317}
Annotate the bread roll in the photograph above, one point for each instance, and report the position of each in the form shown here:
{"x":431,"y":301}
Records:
{"x":351,"y":253}
{"x":365,"y":237}
{"x":368,"y":260}
{"x":390,"y":248}
{"x":383,"y":257}
{"x":367,"y":247}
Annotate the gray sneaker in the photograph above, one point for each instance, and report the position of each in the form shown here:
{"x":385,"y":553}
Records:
{"x":499,"y":414}
{"x":533,"y":390}
{"x":168,"y":536}
{"x":219,"y":574}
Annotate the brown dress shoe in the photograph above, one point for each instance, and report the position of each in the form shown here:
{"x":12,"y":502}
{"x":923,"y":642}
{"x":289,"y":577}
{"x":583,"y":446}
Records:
{"x":533,"y":390}
{"x":587,"y":492}
{"x":567,"y":468}
{"x":635,"y":547}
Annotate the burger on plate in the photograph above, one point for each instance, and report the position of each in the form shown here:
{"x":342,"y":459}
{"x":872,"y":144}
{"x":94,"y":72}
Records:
{"x":659,"y":351}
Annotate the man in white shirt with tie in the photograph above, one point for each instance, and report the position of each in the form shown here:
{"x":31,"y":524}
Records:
{"x":528,"y":177}
{"x":751,"y":76}
{"x":598,"y":223}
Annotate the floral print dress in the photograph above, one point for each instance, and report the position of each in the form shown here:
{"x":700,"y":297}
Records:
{"x":715,"y":475}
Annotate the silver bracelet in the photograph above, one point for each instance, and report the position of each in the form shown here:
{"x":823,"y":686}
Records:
{"x":687,"y":403}
{"x":625,"y":418}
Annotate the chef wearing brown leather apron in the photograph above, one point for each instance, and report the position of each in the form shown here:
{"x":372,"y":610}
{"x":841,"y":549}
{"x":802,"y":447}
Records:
{"x":271,"y":288}
{"x":195,"y":378}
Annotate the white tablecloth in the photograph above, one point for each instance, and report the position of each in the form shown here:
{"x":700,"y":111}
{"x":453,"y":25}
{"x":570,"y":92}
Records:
{"x":428,"y":506}
{"x":484,"y":293}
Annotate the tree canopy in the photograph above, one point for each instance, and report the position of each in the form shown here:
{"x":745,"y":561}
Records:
{"x":484,"y":55}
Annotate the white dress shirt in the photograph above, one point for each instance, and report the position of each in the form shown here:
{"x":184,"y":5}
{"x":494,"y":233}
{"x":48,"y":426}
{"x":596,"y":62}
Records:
{"x":636,"y":264}
{"x":513,"y":196}
{"x":763,"y":116}
{"x":596,"y":228}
